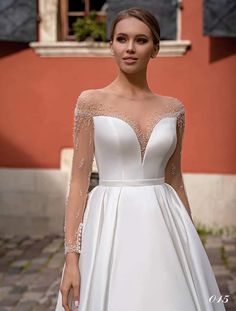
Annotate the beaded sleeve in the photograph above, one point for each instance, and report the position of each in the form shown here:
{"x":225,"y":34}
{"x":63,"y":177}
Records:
{"x":76,"y":198}
{"x":173,"y":171}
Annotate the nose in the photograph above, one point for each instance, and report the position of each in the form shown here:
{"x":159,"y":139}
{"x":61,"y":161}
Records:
{"x":130,"y":47}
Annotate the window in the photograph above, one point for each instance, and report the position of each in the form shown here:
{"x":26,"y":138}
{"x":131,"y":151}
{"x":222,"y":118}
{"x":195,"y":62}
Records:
{"x":165,"y":11}
{"x":18,"y":20}
{"x":71,"y":10}
{"x":219,"y":18}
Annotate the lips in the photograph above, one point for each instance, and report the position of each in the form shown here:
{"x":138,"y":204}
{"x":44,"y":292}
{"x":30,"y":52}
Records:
{"x":130,"y":58}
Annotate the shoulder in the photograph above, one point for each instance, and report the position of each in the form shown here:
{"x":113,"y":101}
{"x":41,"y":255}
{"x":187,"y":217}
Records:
{"x":176,"y":108}
{"x":175,"y":104}
{"x":171,"y":103}
{"x":86,"y":96}
{"x":179,"y":110}
{"x":85,"y":102}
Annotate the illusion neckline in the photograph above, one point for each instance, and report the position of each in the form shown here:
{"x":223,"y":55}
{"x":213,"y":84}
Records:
{"x":154,"y":95}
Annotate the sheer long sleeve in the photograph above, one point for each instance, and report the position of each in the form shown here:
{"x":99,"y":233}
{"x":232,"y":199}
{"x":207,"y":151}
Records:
{"x":173,"y":171}
{"x":83,"y":151}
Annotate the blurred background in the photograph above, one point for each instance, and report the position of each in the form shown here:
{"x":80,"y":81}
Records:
{"x":52,"y":50}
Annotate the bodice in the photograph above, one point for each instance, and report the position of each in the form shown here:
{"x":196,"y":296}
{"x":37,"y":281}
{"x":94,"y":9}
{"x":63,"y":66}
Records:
{"x":118,"y":153}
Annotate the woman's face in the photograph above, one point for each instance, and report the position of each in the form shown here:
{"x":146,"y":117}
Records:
{"x":132,"y":45}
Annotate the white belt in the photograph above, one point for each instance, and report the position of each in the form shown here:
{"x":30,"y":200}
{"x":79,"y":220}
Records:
{"x":131,"y":182}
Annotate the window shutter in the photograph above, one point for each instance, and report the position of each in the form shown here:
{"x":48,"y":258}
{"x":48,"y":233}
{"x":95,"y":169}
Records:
{"x":164,"y":10}
{"x":18,"y":20}
{"x":219,"y":18}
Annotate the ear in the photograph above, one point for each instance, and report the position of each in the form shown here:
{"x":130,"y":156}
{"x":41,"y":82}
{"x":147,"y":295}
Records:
{"x":111,"y":49}
{"x":156,"y":50}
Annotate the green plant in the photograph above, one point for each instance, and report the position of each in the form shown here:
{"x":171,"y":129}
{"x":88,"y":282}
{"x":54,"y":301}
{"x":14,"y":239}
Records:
{"x":90,"y":26}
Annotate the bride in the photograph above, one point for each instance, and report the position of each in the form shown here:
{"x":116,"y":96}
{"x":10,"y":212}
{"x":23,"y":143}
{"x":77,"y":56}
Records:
{"x":130,"y":243}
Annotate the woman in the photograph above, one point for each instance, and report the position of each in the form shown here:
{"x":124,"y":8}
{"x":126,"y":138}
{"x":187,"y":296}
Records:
{"x":130,"y":243}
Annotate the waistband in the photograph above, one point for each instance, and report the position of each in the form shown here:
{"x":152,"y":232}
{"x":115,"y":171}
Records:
{"x":131,"y":182}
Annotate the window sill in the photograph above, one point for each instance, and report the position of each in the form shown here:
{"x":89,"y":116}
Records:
{"x":100,"y":49}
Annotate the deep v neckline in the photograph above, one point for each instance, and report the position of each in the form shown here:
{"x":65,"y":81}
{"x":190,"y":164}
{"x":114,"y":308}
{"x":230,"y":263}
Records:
{"x":148,"y":134}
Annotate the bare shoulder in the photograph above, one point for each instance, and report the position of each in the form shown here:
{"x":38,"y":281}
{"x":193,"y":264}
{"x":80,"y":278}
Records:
{"x":173,"y":103}
{"x":87,"y":94}
{"x":178,"y":105}
{"x":86,"y":99}
{"x":177,"y":108}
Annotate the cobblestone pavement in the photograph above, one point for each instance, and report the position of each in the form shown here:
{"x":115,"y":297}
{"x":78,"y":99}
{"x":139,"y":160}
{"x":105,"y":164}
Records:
{"x":30,"y":270}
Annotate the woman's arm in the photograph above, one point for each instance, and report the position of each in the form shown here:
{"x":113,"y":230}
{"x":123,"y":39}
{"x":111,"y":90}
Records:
{"x":173,"y":172}
{"x":83,"y":151}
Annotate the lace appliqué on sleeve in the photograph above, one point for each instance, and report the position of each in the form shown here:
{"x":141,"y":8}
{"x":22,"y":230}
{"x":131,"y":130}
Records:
{"x":173,"y":169}
{"x":77,"y":193}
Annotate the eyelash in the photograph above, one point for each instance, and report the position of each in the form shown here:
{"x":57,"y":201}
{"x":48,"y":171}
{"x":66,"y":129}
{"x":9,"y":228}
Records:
{"x":142,"y":40}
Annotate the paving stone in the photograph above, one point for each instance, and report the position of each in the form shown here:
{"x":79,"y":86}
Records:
{"x":228,"y":239}
{"x":230,"y":247}
{"x":38,"y":288}
{"x":52,"y":248}
{"x":11,"y":245}
{"x":213,"y":241}
{"x":19,"y":264}
{"x":39,"y":261}
{"x":42,"y":307}
{"x":27,"y":280}
{"x":25,"y":306}
{"x":32,"y":296}
{"x":9,"y":236}
{"x":220,"y":270}
{"x":19,"y":239}
{"x":27,"y":243}
{"x":232,"y":261}
{"x":57,"y":261}
{"x":4,"y":263}
{"x":15,"y":252}
{"x":31,"y":274}
{"x":10,"y":301}
{"x":214,"y":256}
{"x":18,"y":289}
{"x":10,"y":280}
{"x":2,"y":251}
{"x":232,"y":286}
{"x":4,"y":291}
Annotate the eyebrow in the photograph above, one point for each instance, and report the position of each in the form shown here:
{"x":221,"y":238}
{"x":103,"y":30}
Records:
{"x":138,"y":35}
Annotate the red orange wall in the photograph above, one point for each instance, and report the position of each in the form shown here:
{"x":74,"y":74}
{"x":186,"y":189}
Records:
{"x":38,"y":97}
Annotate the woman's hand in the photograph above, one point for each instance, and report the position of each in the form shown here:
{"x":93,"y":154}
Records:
{"x":71,"y":278}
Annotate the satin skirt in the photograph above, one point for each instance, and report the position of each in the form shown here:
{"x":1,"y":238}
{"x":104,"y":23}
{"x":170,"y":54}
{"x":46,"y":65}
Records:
{"x":141,"y":252}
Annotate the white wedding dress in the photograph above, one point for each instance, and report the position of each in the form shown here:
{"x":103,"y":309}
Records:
{"x":140,"y":250}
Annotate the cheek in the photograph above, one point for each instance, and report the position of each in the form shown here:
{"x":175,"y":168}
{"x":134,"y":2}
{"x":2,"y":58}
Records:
{"x":146,"y":53}
{"x":118,"y":48}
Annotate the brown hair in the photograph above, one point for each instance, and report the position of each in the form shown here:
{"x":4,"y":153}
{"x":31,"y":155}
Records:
{"x":143,"y":15}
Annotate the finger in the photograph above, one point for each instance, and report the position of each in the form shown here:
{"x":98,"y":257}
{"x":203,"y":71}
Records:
{"x":64,"y":292}
{"x":76,"y":296}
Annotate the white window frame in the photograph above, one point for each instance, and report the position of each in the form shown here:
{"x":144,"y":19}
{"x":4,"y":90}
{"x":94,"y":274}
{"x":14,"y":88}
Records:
{"x":48,"y":46}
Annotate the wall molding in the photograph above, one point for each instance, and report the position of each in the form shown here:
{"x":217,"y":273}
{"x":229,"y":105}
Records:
{"x":99,"y":49}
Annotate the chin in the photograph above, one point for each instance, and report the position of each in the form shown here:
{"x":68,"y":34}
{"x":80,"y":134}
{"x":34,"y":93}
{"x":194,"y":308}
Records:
{"x":129,"y":70}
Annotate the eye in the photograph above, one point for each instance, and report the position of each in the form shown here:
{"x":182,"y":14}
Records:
{"x":142,"y":40}
{"x":120,"y":39}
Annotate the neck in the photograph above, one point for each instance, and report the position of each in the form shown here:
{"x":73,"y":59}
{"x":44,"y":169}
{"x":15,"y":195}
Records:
{"x":131,"y":84}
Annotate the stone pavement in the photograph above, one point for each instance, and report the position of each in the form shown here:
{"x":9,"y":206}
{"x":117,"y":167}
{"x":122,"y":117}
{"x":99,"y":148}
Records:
{"x":30,"y":270}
